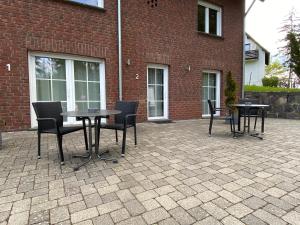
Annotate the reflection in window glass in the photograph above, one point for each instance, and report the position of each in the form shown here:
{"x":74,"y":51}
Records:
{"x":213,"y":21}
{"x":97,"y":3}
{"x":201,"y":18}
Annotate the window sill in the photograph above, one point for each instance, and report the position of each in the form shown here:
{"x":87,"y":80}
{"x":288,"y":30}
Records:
{"x":85,"y":5}
{"x":210,"y":35}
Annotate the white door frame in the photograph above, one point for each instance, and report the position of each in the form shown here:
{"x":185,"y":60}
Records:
{"x":165,"y":68}
{"x":69,"y":72}
{"x":218,"y":90}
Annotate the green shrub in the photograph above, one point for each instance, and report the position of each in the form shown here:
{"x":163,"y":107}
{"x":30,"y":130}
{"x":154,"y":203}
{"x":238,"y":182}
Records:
{"x":253,"y":88}
{"x":270,"y":81}
{"x":230,"y":90}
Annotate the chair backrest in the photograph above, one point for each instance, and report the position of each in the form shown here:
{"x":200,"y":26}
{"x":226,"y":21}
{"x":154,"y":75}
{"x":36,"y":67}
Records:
{"x":48,"y":110}
{"x":127,"y":107}
{"x":212,"y":109}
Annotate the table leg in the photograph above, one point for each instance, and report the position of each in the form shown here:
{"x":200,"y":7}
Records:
{"x":239,"y":120}
{"x":89,"y":156}
{"x":263,"y":121}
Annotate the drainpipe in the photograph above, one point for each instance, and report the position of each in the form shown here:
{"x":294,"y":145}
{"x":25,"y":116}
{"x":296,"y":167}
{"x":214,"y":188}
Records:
{"x":120,"y":51}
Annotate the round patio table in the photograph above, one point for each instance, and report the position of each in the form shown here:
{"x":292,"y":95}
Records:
{"x":96,"y":115}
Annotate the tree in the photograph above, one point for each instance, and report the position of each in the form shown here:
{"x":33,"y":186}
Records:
{"x":291,"y":50}
{"x":275,"y":69}
{"x":230,"y":90}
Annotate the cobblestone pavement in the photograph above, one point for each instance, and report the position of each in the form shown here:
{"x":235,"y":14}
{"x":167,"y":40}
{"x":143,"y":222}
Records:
{"x":176,"y":175}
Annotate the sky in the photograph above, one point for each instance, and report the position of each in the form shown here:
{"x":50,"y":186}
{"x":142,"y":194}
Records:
{"x":264,"y":20}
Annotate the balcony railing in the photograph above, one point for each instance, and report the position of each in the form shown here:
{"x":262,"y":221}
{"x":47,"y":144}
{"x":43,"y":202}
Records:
{"x":252,"y":54}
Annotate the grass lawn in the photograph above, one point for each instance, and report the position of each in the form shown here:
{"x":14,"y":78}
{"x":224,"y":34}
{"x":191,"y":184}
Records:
{"x":253,"y":88}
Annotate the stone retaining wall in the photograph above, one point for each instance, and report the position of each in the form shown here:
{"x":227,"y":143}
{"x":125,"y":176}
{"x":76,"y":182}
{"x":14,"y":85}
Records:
{"x":282,"y":104}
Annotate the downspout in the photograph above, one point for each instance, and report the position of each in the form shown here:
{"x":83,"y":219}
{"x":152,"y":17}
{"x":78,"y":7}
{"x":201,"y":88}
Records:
{"x":244,"y":58}
{"x":120,"y":51}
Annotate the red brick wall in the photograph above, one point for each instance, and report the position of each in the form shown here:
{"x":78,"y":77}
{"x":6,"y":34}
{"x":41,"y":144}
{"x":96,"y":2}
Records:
{"x":50,"y":26}
{"x":167,"y":34}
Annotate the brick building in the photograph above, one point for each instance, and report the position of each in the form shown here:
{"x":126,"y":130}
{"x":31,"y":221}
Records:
{"x":174,"y":55}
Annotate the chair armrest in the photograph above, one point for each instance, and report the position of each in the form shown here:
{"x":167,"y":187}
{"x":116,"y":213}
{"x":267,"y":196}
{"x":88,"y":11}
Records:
{"x":40,"y":120}
{"x":127,"y":116}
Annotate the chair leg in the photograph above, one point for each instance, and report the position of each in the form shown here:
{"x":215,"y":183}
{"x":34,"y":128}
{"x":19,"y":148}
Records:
{"x":255,"y":123}
{"x":39,"y":145}
{"x":135,"y":138}
{"x":116,"y":131}
{"x":61,"y":154}
{"x":85,"y":135}
{"x":210,"y":124}
{"x":124,"y":142}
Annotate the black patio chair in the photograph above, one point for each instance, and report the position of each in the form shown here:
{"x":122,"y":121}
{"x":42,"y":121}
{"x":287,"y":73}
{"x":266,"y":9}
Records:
{"x":252,"y":112}
{"x":213,"y":110}
{"x":50,"y":121}
{"x":123,"y":121}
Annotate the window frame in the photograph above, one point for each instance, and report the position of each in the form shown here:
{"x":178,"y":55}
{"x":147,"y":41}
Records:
{"x":100,"y":3}
{"x":218,"y":90}
{"x":70,"y":81}
{"x":219,"y":10}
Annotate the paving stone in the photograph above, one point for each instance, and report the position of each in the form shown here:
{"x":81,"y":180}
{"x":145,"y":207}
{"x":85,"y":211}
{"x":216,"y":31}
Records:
{"x":44,"y":206}
{"x":292,"y":218}
{"x":268,"y":217}
{"x":133,"y":221}
{"x":59,"y":214}
{"x":198,"y":213}
{"x":189,"y":203}
{"x":155,"y":215}
{"x":19,"y":218}
{"x":92,"y":200}
{"x":229,"y":196}
{"x":103,"y":220}
{"x":230,"y":220}
{"x":208,"y":221}
{"x":134,"y":207}
{"x":120,"y":215}
{"x":165,"y":190}
{"x":250,"y":219}
{"x":21,"y":206}
{"x":39,"y":217}
{"x":207,"y":196}
{"x":181,"y":216}
{"x":84,"y":215}
{"x":275,"y":192}
{"x":239,"y":210}
{"x":167,"y":202}
{"x":88,"y":189}
{"x":146,"y":195}
{"x":108,"y":189}
{"x":77,"y":206}
{"x":214,"y":210}
{"x":169,"y":221}
{"x":151,"y":204}
{"x":125,"y":195}
{"x":109,"y":207}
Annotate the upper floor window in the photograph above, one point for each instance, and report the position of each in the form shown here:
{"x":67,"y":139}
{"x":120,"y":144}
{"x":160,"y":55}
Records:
{"x":209,"y":18}
{"x":96,"y":3}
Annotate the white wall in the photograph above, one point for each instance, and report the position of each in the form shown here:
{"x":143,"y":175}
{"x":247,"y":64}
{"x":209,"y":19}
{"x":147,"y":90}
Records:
{"x":255,"y":69}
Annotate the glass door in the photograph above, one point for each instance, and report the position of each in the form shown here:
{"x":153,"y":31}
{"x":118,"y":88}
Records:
{"x":157,"y":93}
{"x":210,"y":90}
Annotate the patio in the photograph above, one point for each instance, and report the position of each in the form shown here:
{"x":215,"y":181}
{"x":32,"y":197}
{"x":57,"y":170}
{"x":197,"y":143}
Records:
{"x":176,"y":175}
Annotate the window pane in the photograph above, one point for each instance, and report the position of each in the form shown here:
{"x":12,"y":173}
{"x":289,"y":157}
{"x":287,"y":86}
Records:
{"x":213,"y":24}
{"x":80,"y":91}
{"x":151,"y":76}
{"x":88,"y":2}
{"x":81,"y":106}
{"x":212,"y":79}
{"x":94,"y":105}
{"x":59,"y":90}
{"x":159,"y":93}
{"x":205,"y":93}
{"x":80,"y":70}
{"x":43,"y":67}
{"x":43,"y":90}
{"x":93,"y":71}
{"x":159,"y":76}
{"x":94,"y":91}
{"x":205,"y":79}
{"x":159,"y":109}
{"x":212,"y":93}
{"x":58,"y":69}
{"x":201,"y":18}
{"x":152,"y":111}
{"x":205,"y":107}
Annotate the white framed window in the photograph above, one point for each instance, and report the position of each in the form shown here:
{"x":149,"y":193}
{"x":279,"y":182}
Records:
{"x":209,"y":18}
{"x":96,"y":3}
{"x":77,"y":82}
{"x":211,"y":86}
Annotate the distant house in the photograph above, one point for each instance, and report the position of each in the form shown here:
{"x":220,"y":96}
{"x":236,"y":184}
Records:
{"x":256,"y":58}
